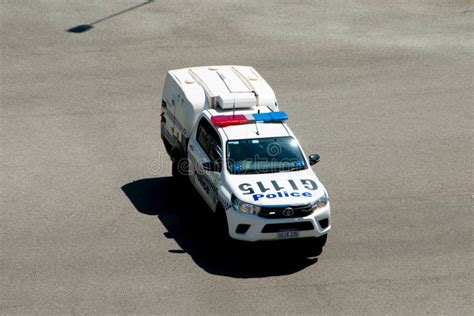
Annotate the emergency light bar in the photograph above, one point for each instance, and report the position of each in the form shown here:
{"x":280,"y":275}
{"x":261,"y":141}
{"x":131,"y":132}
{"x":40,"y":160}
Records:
{"x":238,"y":119}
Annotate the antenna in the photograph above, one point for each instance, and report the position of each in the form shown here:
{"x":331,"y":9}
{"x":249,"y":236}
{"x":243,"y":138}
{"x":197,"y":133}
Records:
{"x":233,"y":109}
{"x":256,"y":125}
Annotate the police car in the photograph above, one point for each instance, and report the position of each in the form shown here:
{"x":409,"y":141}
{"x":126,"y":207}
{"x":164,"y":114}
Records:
{"x":222,"y":127}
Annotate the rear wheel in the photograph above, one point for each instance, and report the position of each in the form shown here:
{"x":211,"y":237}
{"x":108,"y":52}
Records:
{"x":167,"y":145}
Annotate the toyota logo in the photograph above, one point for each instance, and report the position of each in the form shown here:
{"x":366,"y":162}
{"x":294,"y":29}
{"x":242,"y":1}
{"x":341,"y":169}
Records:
{"x":288,"y":212}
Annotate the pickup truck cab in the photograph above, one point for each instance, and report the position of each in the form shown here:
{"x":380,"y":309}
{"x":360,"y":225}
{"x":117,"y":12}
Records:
{"x":222,"y":128}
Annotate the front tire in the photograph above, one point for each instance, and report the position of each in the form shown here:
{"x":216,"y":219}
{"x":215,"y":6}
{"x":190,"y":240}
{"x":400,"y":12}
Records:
{"x":313,"y":247}
{"x":179,"y":167}
{"x":222,"y":227}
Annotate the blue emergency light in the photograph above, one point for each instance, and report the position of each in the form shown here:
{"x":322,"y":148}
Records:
{"x":270,"y":117}
{"x":238,"y":119}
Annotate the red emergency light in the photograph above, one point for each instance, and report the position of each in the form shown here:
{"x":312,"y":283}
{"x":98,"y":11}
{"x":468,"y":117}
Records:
{"x":227,"y":120}
{"x":237,"y":119}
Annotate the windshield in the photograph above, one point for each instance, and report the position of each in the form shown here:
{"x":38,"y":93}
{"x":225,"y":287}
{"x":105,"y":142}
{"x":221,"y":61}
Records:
{"x":263,"y":155}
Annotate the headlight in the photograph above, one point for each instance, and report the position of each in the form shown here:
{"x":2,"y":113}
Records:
{"x":243,"y":207}
{"x":321,"y":202}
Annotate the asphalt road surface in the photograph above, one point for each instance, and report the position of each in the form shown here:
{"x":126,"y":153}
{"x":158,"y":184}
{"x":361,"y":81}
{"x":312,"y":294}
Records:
{"x":92,"y":223}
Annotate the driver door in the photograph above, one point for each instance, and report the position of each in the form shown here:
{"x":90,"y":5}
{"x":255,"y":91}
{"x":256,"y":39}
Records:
{"x":206,"y":146}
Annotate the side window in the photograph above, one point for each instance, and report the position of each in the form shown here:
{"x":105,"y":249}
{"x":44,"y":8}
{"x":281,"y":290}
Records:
{"x":203,"y":137}
{"x":215,"y":151}
{"x":209,"y":140}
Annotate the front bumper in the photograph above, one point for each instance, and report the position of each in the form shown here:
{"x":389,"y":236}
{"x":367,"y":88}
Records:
{"x":263,"y":228}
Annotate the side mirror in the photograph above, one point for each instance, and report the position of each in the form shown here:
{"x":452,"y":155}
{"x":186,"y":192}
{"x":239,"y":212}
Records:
{"x":313,"y":159}
{"x":212,"y":166}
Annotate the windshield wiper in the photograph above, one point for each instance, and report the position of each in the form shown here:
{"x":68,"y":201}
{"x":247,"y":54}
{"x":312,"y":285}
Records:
{"x":268,"y":170}
{"x":296,"y":168}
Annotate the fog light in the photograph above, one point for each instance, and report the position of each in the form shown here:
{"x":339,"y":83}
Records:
{"x":324,"y":223}
{"x":242,"y":228}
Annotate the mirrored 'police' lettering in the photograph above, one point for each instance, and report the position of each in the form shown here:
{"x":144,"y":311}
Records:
{"x":304,"y":184}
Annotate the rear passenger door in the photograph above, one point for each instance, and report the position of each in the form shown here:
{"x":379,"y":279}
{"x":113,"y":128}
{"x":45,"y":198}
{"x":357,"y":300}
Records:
{"x":205,"y":146}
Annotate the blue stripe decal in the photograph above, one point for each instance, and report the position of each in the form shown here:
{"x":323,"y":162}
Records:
{"x":224,"y":203}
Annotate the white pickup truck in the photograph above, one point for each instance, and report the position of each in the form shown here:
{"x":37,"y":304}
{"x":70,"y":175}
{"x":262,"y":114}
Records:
{"x":222,"y":128}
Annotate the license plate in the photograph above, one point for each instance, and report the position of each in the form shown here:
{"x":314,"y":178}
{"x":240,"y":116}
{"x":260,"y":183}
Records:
{"x":288,"y":234}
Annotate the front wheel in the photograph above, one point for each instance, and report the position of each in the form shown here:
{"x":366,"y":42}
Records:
{"x":221,"y":223}
{"x":179,"y":167}
{"x":313,"y":247}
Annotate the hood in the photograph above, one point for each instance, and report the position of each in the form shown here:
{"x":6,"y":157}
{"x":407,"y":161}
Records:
{"x":276,"y":189}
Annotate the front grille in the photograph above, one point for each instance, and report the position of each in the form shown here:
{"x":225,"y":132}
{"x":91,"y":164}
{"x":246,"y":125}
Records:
{"x":273,"y":228}
{"x":278,"y":212}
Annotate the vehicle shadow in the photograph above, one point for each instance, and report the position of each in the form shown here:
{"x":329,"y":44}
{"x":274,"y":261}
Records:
{"x":192,"y":225}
